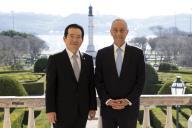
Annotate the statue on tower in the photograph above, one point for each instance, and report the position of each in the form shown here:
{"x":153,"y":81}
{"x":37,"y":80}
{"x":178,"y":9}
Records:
{"x":90,"y":11}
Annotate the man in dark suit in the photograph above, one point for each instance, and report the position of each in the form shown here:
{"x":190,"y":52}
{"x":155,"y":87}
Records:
{"x":119,"y":78}
{"x":70,"y":91}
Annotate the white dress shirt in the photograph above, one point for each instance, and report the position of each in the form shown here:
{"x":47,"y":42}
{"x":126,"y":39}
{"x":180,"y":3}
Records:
{"x":70,"y":54}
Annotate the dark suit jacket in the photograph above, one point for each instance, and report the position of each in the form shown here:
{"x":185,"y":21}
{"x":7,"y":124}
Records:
{"x":129,"y":85}
{"x":66,"y":96}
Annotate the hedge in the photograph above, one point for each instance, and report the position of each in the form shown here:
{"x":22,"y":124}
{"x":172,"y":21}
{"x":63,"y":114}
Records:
{"x":151,"y":78}
{"x":181,"y":72}
{"x":26,"y":115}
{"x":34,"y":88}
{"x":158,"y":118}
{"x":11,"y":87}
{"x":1,"y":114}
{"x":186,"y":112}
{"x":165,"y":67}
{"x":41,"y":121}
{"x":182,"y":119}
{"x":166,"y":88}
{"x":140,"y":117}
{"x":14,"y":71}
{"x":16,"y":118}
{"x":41,"y":65}
{"x":152,"y":89}
{"x":138,"y":125}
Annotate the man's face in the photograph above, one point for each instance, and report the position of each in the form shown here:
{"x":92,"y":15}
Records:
{"x":74,"y":39}
{"x":119,"y":32}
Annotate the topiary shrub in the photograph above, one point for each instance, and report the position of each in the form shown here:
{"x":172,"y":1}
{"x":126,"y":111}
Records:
{"x":40,"y":65}
{"x":151,"y":78}
{"x":151,"y":75}
{"x":166,"y":88}
{"x":188,"y":90}
{"x":151,"y":89}
{"x":11,"y":87}
{"x":166,"y":67}
{"x":174,"y":67}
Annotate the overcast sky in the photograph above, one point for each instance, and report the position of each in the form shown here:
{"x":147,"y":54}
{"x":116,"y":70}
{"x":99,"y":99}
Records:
{"x":122,"y":8}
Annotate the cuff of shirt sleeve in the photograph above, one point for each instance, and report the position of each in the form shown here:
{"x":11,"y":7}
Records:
{"x":129,"y":102}
{"x":106,"y":103}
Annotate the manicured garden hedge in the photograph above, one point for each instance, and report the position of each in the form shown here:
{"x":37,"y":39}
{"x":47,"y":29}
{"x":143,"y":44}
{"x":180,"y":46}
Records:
{"x":11,"y":87}
{"x":34,"y":88}
{"x":16,"y":118}
{"x":158,"y":118}
{"x":166,"y":67}
{"x":151,"y":80}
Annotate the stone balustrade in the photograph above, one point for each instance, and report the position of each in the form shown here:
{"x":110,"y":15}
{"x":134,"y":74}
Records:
{"x":38,"y":102}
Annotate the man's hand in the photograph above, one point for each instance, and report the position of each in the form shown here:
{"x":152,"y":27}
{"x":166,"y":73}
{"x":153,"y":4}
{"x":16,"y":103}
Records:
{"x":115,"y":104}
{"x":51,"y":116}
{"x":118,"y":104}
{"x":91,"y":114}
{"x":125,"y":102}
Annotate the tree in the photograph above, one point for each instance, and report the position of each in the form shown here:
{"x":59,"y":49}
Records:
{"x":157,"y":30}
{"x":36,"y":45}
{"x":140,"y":42}
{"x":174,"y":46}
{"x":40,"y":65}
{"x":15,"y":45}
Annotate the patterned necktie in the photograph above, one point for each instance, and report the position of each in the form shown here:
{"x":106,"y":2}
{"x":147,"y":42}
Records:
{"x":119,"y":60}
{"x":75,"y":66}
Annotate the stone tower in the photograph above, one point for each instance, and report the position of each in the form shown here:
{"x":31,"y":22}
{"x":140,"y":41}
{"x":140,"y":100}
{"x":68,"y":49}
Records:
{"x":90,"y":48}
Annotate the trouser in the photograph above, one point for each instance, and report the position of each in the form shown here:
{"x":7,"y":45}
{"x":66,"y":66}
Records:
{"x":119,"y":122}
{"x":78,"y":123}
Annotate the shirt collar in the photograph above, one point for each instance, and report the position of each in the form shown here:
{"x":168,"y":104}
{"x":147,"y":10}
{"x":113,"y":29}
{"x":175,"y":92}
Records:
{"x":70,"y":54}
{"x":122,"y":47}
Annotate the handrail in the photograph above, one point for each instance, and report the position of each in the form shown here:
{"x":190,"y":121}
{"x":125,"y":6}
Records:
{"x":36,"y":102}
{"x":145,"y":100}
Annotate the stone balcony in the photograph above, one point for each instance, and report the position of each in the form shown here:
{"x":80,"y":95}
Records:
{"x":147,"y":101}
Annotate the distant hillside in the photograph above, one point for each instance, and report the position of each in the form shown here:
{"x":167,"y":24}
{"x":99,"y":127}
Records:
{"x":47,"y":24}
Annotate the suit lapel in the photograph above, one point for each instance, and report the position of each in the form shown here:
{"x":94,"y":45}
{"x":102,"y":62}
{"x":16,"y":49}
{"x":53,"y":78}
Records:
{"x":68,"y":64}
{"x":126,"y":59}
{"x":83,"y":65}
{"x":111,"y":58}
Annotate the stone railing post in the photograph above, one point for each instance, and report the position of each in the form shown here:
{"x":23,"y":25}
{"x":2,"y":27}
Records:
{"x":146,"y":118}
{"x":31,"y":119}
{"x":169,"y":122}
{"x":7,"y":120}
{"x":190,"y":122}
{"x":99,"y":125}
